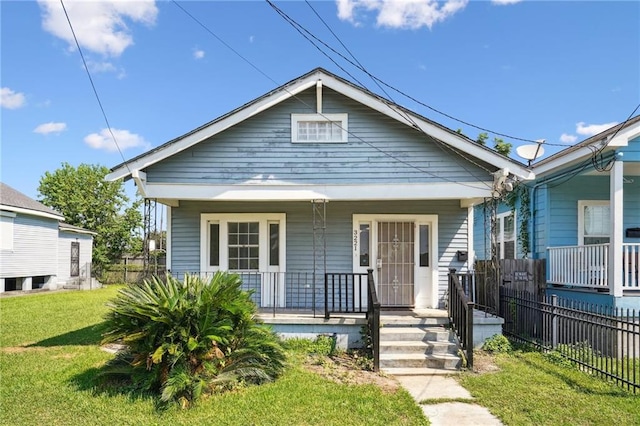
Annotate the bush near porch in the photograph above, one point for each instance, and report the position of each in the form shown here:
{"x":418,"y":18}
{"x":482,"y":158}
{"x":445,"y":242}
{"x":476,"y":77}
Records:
{"x":50,"y":354}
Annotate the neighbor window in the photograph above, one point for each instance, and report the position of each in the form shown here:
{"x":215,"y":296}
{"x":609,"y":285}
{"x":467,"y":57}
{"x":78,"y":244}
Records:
{"x":6,"y":230}
{"x":594,"y":222}
{"x":319,"y":128}
{"x":242,"y":242}
{"x":506,"y":224}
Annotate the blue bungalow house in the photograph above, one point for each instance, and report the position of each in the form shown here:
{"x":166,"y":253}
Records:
{"x":582,"y":214}
{"x":321,"y":176}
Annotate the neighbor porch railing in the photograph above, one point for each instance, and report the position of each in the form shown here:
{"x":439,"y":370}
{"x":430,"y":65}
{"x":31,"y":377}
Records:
{"x":460,"y":311}
{"x":588,"y":266}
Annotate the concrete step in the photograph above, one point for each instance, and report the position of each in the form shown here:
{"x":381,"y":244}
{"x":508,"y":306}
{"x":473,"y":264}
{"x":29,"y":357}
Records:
{"x":441,"y":361}
{"x":419,"y":347}
{"x":396,"y":371}
{"x":407,"y":321}
{"x":419,"y":334}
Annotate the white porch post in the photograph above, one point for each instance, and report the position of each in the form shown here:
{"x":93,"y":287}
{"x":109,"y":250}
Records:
{"x":615,"y":241}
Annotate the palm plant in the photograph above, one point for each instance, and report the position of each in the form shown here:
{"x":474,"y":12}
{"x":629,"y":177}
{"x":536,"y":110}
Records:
{"x":186,"y":338}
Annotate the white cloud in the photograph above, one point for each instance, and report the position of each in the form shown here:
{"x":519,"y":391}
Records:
{"x":100,"y":26}
{"x":12,"y":100}
{"x":567,"y":138}
{"x":251,"y":39}
{"x":592,"y":129}
{"x":46,"y":128}
{"x":125,"y":139}
{"x":505,"y":2}
{"x":406,"y":14}
{"x":198,"y":54}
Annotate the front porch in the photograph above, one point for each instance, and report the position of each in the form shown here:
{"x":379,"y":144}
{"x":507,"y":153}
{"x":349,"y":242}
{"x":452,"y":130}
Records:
{"x":591,"y":267}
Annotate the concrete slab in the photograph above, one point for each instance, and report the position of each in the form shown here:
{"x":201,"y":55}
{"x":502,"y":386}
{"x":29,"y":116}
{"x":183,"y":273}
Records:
{"x":459,"y":414}
{"x":433,"y":387}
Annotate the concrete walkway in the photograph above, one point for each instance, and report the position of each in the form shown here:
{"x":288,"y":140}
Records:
{"x":433,"y":387}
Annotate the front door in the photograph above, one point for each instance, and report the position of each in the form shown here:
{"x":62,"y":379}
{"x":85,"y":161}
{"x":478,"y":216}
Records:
{"x":395,"y":263}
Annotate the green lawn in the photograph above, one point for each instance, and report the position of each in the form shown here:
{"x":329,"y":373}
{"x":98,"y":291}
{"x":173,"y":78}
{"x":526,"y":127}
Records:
{"x":529,"y":390}
{"x":49,"y":356}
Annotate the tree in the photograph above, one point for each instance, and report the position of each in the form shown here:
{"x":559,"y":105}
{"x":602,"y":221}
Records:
{"x":501,"y":146}
{"x":85,"y":199}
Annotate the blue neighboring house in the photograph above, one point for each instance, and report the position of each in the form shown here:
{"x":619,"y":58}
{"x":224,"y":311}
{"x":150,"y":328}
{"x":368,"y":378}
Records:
{"x":582,"y":214}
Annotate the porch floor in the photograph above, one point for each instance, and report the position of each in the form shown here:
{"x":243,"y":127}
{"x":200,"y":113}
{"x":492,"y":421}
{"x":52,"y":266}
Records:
{"x":350,"y":319}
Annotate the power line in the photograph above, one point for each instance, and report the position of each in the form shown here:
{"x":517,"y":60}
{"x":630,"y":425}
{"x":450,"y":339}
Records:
{"x":93,"y":86}
{"x":208,"y":30}
{"x":395,"y":89}
{"x":401,"y":112}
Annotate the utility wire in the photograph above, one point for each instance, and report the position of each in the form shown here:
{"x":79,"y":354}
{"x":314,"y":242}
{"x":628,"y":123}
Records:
{"x":399,"y":160}
{"x":404,"y":114}
{"x":395,"y":89}
{"x":93,"y":86}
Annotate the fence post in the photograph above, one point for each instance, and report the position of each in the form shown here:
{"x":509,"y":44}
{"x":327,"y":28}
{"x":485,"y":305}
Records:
{"x":554,"y":321}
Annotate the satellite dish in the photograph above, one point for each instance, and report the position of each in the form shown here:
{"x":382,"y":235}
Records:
{"x":531,"y":152}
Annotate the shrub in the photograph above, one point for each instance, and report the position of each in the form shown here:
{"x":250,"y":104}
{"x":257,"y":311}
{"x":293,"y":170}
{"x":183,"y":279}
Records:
{"x":497,"y":344}
{"x":187,"y":338}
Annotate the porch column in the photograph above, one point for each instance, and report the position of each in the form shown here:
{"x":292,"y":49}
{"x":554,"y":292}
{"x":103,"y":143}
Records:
{"x":615,"y":240}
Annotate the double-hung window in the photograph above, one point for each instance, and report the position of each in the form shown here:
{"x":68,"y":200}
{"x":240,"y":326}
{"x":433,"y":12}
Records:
{"x":506,"y":223}
{"x":243,"y":242}
{"x":594,"y":222}
{"x":6,"y":230}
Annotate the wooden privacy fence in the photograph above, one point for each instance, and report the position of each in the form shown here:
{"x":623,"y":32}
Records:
{"x":515,"y":274}
{"x":130,"y":269}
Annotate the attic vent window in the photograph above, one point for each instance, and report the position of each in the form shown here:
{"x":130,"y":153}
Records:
{"x":319,"y":128}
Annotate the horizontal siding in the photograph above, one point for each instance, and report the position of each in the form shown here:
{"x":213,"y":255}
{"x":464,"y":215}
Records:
{"x":64,"y":253}
{"x":35,"y":248}
{"x":452,"y":232}
{"x":380,"y":150}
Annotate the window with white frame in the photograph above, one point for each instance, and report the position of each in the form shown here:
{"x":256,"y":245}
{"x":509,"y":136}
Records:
{"x":242,"y":242}
{"x":319,"y":128}
{"x":594,"y":222}
{"x":506,"y":223}
{"x":6,"y":230}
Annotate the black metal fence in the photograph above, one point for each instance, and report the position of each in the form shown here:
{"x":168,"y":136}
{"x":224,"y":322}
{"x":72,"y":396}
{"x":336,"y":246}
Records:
{"x":460,"y":309}
{"x":602,"y":340}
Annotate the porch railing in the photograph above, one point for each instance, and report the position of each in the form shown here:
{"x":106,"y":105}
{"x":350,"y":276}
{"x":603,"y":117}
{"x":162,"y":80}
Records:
{"x":588,"y":265}
{"x":460,"y":311}
{"x":344,"y":293}
{"x":373,"y":319}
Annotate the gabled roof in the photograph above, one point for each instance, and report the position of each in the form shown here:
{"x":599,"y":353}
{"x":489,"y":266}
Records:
{"x":292,"y":89}
{"x":72,"y":228}
{"x":614,"y":137}
{"x":15,"y":201}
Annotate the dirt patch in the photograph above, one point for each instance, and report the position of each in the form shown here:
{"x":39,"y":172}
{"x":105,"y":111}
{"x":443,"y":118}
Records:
{"x":21,"y":349}
{"x":484,"y":362}
{"x":346,"y":368}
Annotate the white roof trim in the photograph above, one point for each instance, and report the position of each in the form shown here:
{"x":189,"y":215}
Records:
{"x":31,"y":212}
{"x":621,"y":139}
{"x":348,"y":90}
{"x":65,"y":228}
{"x":348,"y":192}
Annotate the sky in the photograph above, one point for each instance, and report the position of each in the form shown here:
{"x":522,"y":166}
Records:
{"x":554,"y":70}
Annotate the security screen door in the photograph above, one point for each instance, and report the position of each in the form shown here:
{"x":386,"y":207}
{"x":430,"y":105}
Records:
{"x":396,"y":263}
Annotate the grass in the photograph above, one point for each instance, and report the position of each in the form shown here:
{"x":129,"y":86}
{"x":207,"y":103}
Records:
{"x":528,"y":389}
{"x":50,"y":356}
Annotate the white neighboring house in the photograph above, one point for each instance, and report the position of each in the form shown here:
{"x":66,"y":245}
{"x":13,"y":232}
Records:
{"x":37,"y":249}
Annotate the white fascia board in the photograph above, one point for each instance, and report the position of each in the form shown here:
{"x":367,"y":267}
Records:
{"x":76,"y":231}
{"x":621,"y":139}
{"x":213,"y":129}
{"x":31,"y":212}
{"x":430,"y":129}
{"x":425,"y":191}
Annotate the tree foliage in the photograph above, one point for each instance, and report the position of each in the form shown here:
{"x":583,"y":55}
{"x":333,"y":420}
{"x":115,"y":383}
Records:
{"x":85,"y":199}
{"x":499,"y":144}
{"x":192,"y":337}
